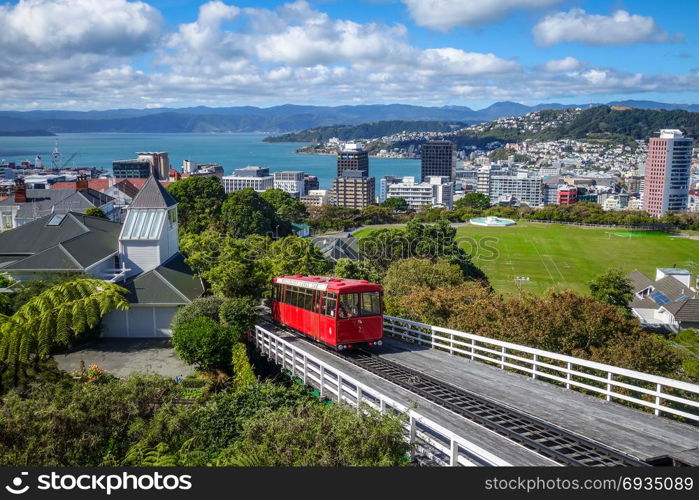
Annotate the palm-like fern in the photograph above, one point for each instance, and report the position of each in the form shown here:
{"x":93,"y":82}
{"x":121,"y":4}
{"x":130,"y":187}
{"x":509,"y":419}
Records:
{"x":55,"y":316}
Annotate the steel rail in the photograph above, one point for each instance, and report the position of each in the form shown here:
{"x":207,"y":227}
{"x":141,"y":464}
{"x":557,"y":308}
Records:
{"x":540,"y":436}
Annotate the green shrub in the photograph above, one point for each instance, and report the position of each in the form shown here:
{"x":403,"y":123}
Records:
{"x":204,"y":342}
{"x":204,"y":307}
{"x":320,"y":436}
{"x":243,"y":375}
{"x":239,"y":313}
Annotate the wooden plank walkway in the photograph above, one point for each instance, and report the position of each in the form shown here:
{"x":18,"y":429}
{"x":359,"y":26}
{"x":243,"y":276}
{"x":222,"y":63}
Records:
{"x":631,"y":431}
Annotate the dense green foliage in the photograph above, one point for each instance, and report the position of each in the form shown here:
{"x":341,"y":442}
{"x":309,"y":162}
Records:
{"x":358,"y":270}
{"x":240,"y":313}
{"x":67,"y":423}
{"x":134,"y":422}
{"x":612,"y":288}
{"x":236,"y":267}
{"x":95,"y":212}
{"x":385,"y":246}
{"x":477,"y":201}
{"x":203,"y":307}
{"x":558,"y":321}
{"x":364,"y":130}
{"x":245,"y":213}
{"x":55,"y":317}
{"x":317,"y":435}
{"x":287,"y":208}
{"x":396,"y":204}
{"x":204,"y":343}
{"x":407,"y":274}
{"x":199,"y":201}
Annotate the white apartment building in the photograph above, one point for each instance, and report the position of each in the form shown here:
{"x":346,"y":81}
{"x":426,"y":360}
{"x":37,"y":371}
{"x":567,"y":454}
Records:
{"x":317,"y":198}
{"x":257,"y":178}
{"x":290,"y":181}
{"x":502,"y":183}
{"x":435,"y":191}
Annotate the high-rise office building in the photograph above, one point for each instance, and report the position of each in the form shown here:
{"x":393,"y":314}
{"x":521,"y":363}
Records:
{"x":352,"y":157}
{"x":131,"y":169}
{"x":438,"y":159}
{"x":667,"y":173}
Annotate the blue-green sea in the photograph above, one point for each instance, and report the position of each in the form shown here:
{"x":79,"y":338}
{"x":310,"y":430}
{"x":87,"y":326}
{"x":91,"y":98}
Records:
{"x":229,"y":150}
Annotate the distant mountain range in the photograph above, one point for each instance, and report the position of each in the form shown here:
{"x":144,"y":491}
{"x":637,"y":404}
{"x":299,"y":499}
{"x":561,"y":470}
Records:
{"x":277,"y":119}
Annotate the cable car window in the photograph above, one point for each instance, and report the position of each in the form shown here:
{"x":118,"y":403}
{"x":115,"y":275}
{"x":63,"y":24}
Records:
{"x":371,"y":304}
{"x":316,"y":302}
{"x":307,"y":300}
{"x":329,"y":304}
{"x":349,"y":305}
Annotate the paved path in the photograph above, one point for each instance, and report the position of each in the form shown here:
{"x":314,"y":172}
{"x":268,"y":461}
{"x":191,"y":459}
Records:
{"x":123,"y":357}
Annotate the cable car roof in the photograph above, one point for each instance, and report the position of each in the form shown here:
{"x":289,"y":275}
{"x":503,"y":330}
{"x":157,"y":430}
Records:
{"x":325,"y":283}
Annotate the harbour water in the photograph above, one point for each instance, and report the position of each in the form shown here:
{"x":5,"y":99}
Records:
{"x":229,"y":150}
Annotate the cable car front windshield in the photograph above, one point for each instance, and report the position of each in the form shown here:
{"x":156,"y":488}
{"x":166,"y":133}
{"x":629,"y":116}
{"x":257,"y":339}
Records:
{"x":352,"y":305}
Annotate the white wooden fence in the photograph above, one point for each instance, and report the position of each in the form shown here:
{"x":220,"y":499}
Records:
{"x":427,"y":435}
{"x":664,"y":396}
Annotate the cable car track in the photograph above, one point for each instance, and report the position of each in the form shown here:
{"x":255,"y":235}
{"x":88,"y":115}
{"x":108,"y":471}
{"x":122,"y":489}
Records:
{"x":557,"y":444}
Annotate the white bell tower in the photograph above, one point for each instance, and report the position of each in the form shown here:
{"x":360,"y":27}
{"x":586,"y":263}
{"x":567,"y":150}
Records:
{"x":149,"y":236}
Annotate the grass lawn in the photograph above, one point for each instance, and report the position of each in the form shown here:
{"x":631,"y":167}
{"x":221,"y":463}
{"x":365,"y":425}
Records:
{"x":569,"y":256}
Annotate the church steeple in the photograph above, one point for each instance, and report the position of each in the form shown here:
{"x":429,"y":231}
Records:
{"x":149,"y":235}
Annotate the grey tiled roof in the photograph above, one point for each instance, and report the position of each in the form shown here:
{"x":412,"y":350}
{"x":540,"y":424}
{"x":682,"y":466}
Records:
{"x":644,"y":303}
{"x":173,"y":282}
{"x":76,"y":243}
{"x":689,"y":311}
{"x":41,"y":202}
{"x":153,"y":195}
{"x":639,"y":281}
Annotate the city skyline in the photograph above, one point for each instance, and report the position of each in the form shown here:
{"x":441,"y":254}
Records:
{"x":78,"y":54}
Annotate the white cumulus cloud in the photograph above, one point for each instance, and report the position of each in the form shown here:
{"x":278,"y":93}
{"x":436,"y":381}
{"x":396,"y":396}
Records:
{"x":619,"y":28}
{"x":562,"y":65}
{"x":444,"y":15}
{"x":40,"y":28}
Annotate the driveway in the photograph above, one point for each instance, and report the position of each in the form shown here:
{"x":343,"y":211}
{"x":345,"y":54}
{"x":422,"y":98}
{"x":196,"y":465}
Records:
{"x":123,"y":357}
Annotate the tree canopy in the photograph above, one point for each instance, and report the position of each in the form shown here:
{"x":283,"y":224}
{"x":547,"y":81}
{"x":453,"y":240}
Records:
{"x":396,"y":204}
{"x":236,"y":267}
{"x":288,"y":208}
{"x":199,"y":201}
{"x":245,"y":212}
{"x":478,"y":201}
{"x":612,"y":288}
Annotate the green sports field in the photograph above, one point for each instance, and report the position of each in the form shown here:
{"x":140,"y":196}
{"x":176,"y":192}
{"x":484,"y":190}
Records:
{"x":569,"y":256}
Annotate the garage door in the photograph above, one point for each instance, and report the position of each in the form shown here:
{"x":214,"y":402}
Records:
{"x":139,"y":322}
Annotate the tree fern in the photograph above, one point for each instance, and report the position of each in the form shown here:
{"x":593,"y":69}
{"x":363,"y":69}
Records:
{"x":57,"y":315}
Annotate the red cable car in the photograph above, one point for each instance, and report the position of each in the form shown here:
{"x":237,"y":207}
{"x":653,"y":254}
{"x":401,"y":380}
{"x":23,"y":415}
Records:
{"x":341,"y":313}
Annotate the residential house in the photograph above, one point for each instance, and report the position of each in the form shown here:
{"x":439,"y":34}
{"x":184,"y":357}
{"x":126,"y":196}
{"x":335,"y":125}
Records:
{"x":142,"y":255}
{"x":667,"y":302}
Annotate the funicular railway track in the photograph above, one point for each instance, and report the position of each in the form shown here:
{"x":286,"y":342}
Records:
{"x":557,"y":444}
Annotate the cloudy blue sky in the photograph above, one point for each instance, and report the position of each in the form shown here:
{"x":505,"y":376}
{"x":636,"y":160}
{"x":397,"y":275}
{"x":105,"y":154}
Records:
{"x":99,"y":54}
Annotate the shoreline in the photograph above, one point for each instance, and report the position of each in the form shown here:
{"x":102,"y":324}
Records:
{"x":370,"y":156}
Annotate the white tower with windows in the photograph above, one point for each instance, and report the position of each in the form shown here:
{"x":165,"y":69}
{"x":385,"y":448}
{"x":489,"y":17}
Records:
{"x":149,"y":235}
